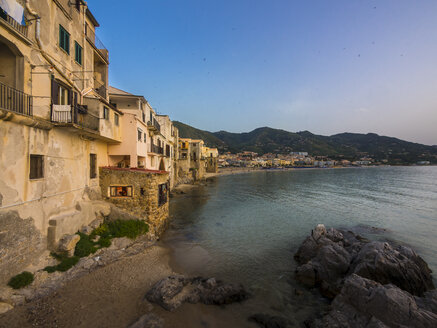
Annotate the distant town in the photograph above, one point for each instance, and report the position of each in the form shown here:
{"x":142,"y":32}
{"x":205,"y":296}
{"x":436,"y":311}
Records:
{"x":293,"y":159}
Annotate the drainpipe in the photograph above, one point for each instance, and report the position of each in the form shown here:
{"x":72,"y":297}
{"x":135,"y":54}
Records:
{"x":38,"y":40}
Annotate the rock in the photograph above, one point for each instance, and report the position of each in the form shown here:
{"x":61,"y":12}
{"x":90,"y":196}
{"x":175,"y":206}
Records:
{"x":67,"y":244}
{"x":5,"y":307}
{"x":328,"y":256}
{"x":366,"y":303}
{"x":400,"y":266}
{"x":96,"y":223}
{"x":120,"y":243}
{"x":172,"y":291}
{"x":268,"y":321}
{"x":86,"y":230}
{"x":148,"y":320}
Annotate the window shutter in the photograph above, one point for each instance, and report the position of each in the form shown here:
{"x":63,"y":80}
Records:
{"x":55,"y":92}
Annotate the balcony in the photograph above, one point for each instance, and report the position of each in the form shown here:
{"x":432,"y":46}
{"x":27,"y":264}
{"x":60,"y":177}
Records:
{"x":101,"y":89}
{"x":22,"y":29}
{"x":156,"y":149}
{"x":97,"y":44}
{"x":154,"y":126}
{"x":77,"y":115}
{"x":14,"y":100}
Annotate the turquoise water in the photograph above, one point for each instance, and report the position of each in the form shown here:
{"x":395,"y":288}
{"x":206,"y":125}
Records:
{"x":246,"y":228}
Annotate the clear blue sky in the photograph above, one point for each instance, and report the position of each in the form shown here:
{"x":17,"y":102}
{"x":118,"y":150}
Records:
{"x":326,"y":66}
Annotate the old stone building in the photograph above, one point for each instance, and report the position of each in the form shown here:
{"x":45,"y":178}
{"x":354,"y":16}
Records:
{"x":142,"y":192}
{"x":55,"y":120}
{"x":192,"y":164}
{"x":210,"y":156}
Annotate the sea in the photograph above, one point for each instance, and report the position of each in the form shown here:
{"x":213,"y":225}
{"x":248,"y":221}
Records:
{"x":245,"y":228}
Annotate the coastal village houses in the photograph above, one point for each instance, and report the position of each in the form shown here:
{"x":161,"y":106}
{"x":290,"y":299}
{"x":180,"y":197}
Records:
{"x":74,"y":150}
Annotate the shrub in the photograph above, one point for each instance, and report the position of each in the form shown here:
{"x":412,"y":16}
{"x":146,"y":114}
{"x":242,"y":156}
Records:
{"x":127,"y":228}
{"x":21,"y":280}
{"x":85,"y":246}
{"x":104,"y":242}
{"x":65,"y":263}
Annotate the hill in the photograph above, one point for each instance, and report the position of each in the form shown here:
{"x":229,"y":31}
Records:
{"x":344,"y":145}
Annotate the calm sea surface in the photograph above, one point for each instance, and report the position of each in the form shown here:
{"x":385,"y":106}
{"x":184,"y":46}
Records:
{"x":245,"y":228}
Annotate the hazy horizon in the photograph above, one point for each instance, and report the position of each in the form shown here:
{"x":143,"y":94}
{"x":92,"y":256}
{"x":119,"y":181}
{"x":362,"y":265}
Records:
{"x":325,"y":67}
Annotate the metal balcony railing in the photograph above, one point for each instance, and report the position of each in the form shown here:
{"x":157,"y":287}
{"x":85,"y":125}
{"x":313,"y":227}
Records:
{"x":92,"y":37}
{"x":75,"y":114}
{"x":15,"y":100}
{"x":22,"y":29}
{"x":156,"y":149}
{"x":101,"y":90}
{"x":154,"y":124}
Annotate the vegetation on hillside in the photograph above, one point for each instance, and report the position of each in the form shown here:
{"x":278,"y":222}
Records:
{"x":340,"y":146}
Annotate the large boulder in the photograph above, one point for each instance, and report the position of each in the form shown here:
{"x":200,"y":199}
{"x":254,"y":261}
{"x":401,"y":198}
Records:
{"x":364,"y":303}
{"x":172,"y":291}
{"x":399,"y":266}
{"x":326,"y":257}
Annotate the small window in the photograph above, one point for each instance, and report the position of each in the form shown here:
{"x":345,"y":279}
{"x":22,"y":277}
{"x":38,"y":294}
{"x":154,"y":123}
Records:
{"x":64,"y":39}
{"x":140,"y":133}
{"x":116,"y":119}
{"x":78,"y":50}
{"x":145,"y":138}
{"x":93,"y":166}
{"x":162,"y":194}
{"x":36,"y":167}
{"x":106,"y":113}
{"x":77,"y":5}
{"x":144,"y":117}
{"x":121,"y":191}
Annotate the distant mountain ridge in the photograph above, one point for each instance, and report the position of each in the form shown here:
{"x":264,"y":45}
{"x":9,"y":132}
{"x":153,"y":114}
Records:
{"x":344,"y":145}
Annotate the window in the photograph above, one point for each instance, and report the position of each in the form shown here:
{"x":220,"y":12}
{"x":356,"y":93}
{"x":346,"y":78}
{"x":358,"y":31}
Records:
{"x":63,"y":98}
{"x":93,"y":166}
{"x":145,"y":138}
{"x":162,"y":194}
{"x":36,"y":167}
{"x":140,"y":133}
{"x":121,"y":191}
{"x":144,"y":117}
{"x":116,"y":119}
{"x":78,"y":53}
{"x":64,"y":39}
{"x":77,"y":5}
{"x":106,"y":113}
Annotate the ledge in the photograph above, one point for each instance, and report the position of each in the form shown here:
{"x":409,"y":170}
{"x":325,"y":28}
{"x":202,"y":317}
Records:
{"x":38,"y":123}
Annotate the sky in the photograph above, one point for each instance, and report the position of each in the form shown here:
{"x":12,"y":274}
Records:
{"x":327,"y":66}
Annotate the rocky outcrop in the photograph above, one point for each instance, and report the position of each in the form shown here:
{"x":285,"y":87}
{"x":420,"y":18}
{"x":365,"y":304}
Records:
{"x":373,"y":284}
{"x":328,"y":256}
{"x":364,"y":303}
{"x":172,"y":291}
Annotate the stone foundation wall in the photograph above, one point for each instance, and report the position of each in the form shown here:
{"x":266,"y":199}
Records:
{"x":144,"y":202}
{"x":21,"y":243}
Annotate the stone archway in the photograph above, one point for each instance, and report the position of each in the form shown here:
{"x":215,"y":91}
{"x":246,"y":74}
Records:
{"x":162,"y":165}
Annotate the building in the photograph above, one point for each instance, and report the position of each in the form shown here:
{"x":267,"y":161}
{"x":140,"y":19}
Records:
{"x":191,"y":163}
{"x":210,"y":156}
{"x":56,"y":122}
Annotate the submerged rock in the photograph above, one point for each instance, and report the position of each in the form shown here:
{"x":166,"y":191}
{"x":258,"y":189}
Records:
{"x":172,"y":291}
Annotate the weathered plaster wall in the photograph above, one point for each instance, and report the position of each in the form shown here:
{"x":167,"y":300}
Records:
{"x":61,"y":192}
{"x":145,"y":195}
